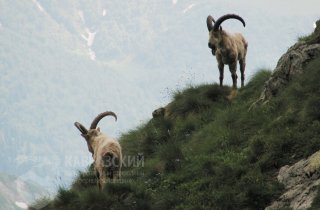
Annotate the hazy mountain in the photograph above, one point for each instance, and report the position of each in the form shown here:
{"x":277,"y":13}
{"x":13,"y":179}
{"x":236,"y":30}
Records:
{"x":18,"y":194}
{"x":66,"y":61}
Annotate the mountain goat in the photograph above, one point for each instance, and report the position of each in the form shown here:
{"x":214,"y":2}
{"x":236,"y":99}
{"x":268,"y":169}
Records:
{"x":106,"y":151}
{"x":228,"y":48}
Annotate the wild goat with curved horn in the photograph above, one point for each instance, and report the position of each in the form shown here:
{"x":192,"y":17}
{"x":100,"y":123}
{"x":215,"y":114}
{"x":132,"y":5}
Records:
{"x":228,"y":48}
{"x":105,"y":151}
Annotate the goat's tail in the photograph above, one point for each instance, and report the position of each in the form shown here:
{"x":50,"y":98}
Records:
{"x":111,"y":164}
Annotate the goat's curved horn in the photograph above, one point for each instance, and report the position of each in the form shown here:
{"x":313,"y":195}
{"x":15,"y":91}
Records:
{"x":226,"y":17}
{"x":99,"y":117}
{"x":210,"y":19}
{"x":81,"y":128}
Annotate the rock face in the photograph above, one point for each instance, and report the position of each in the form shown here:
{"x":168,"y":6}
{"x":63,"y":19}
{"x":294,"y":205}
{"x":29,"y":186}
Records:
{"x":300,"y":181}
{"x":160,"y":112}
{"x":292,"y":63}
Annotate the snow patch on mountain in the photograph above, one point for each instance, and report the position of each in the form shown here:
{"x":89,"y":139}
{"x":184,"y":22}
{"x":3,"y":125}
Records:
{"x":41,"y":9}
{"x":89,"y":36}
{"x":90,"y":39}
{"x":188,"y":8}
{"x":21,"y":205}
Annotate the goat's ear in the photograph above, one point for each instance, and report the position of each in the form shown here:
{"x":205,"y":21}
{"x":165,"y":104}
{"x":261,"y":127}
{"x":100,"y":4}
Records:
{"x":209,"y":22}
{"x":220,"y":28}
{"x":98,"y":129}
{"x":81,"y":128}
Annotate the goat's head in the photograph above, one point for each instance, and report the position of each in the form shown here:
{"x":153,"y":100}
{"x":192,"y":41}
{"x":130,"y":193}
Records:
{"x":89,"y":135}
{"x":215,"y":30}
{"x":212,"y":43}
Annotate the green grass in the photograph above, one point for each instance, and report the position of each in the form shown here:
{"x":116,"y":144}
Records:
{"x":210,"y":152}
{"x":316,"y":202}
{"x":313,"y":37}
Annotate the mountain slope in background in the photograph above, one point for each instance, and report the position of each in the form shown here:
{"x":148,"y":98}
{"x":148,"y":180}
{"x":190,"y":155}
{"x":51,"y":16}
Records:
{"x":66,"y":61}
{"x":17,"y":194}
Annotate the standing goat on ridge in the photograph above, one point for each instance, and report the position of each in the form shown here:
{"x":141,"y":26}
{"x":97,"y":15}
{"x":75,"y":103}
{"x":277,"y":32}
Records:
{"x":228,"y":48}
{"x":106,"y":151}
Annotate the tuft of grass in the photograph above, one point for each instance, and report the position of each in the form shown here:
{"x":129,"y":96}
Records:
{"x":255,"y":86}
{"x":65,"y":198}
{"x":197,"y":99}
{"x":316,"y":202}
{"x":314,"y":37}
{"x":172,"y":156}
{"x":42,"y":203}
{"x":85,"y":179}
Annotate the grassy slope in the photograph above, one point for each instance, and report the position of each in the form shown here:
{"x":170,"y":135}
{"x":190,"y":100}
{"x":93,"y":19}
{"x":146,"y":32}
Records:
{"x":212,"y":153}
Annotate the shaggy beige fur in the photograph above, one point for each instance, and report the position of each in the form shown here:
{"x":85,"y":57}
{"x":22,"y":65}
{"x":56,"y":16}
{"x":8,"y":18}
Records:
{"x":106,"y":151}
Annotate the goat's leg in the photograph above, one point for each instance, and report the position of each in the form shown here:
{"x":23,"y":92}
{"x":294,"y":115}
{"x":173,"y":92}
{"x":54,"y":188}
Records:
{"x":233,"y":70}
{"x":102,"y":182}
{"x":242,"y":63}
{"x":100,"y":185}
{"x":117,"y":173}
{"x":117,"y":169}
{"x":102,"y":179}
{"x":221,"y":71}
{"x":98,"y":180}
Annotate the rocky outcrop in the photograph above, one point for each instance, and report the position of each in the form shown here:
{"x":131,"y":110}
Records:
{"x":160,"y":112}
{"x":300,"y":180}
{"x":292,"y":63}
